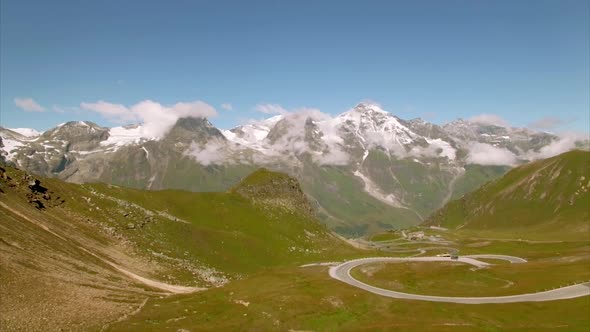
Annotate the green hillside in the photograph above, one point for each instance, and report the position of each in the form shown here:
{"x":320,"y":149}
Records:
{"x":71,"y":253}
{"x":546,"y":199}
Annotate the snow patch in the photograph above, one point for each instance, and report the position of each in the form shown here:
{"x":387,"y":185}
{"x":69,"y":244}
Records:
{"x":27,"y":132}
{"x":151,"y":181}
{"x":253,"y":133}
{"x":121,"y":136}
{"x":11,"y":147}
{"x":372,"y":189}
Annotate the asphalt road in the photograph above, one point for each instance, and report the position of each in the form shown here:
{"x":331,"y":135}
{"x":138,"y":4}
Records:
{"x":342,"y":272}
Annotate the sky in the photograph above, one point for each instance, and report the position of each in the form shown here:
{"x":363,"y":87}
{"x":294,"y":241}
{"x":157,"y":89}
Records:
{"x":523,"y":63}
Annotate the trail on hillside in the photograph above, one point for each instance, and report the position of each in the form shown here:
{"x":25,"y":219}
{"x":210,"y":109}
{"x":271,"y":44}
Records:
{"x":176,"y":289}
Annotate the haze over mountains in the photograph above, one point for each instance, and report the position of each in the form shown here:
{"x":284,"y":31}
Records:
{"x":363,"y":170}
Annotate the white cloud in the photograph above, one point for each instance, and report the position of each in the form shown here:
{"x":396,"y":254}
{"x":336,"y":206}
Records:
{"x":113,"y":112}
{"x":490,"y":119}
{"x":485,"y":154}
{"x":436,"y":148}
{"x":213,"y":152}
{"x":565,"y":142}
{"x":271,"y":109}
{"x":291,"y":140}
{"x":28,"y":105}
{"x":218,"y":151}
{"x":334,"y":156}
{"x":157,"y":119}
{"x":227,"y":106}
{"x":292,"y":137}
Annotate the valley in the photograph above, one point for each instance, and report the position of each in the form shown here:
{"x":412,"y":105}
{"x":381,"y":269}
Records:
{"x":104,"y":257}
{"x":296,"y":166}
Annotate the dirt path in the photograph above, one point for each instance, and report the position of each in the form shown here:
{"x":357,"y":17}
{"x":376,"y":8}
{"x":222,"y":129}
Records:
{"x":175,"y":289}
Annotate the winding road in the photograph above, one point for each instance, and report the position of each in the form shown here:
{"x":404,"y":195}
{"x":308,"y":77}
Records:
{"x":342,"y":272}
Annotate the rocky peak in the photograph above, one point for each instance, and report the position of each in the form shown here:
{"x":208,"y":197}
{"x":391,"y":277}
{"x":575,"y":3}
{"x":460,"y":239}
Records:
{"x":427,"y":129}
{"x":368,"y":108}
{"x":76,"y":135}
{"x":280,"y":129}
{"x":198,"y":130}
{"x":75,"y":129}
{"x":275,"y":189}
{"x":12,"y":135}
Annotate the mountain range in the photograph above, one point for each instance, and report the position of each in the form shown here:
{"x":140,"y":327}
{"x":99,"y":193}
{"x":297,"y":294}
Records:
{"x":363,"y":170}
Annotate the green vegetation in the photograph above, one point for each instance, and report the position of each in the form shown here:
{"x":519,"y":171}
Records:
{"x":175,"y":237}
{"x":307,"y":299}
{"x":343,"y":196}
{"x":459,"y":279}
{"x":475,"y":176}
{"x":262,"y":177}
{"x":547,"y":199}
{"x":387,"y":236}
{"x":246,"y":247}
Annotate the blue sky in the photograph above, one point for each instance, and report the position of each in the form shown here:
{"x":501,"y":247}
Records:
{"x":523,"y":61}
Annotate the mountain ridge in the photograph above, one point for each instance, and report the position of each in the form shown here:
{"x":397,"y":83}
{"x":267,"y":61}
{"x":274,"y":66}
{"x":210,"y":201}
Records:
{"x":392,"y":171}
{"x":542,"y":199}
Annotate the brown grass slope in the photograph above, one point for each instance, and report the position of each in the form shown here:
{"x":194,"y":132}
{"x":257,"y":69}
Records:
{"x":80,"y":257}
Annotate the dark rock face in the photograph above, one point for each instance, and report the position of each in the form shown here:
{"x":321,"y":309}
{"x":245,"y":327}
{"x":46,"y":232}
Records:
{"x":275,"y":189}
{"x":198,"y":130}
{"x":36,"y":187}
{"x":34,"y":193}
{"x":40,"y":197}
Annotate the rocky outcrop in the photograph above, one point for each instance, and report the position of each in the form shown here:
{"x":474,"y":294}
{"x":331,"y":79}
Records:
{"x":275,"y":189}
{"x":37,"y":195}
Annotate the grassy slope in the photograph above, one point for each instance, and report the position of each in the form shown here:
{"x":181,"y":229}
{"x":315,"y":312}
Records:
{"x":307,"y":299}
{"x":475,"y":176}
{"x":355,"y":211}
{"x":273,"y":295}
{"x":543,"y":199}
{"x":458,"y":279}
{"x":191,"y":239}
{"x":170,"y":170}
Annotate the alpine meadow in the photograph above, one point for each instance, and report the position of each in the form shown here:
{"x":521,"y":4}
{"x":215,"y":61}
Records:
{"x":294,"y":166}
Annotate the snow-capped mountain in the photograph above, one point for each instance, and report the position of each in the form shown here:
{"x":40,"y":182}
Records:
{"x":27,"y":132}
{"x":365,"y":168}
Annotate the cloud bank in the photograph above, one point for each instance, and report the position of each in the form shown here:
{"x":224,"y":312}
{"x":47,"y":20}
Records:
{"x":302,"y":122}
{"x":28,"y":105}
{"x":565,"y":142}
{"x":156,"y":119}
{"x":486,"y":154}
